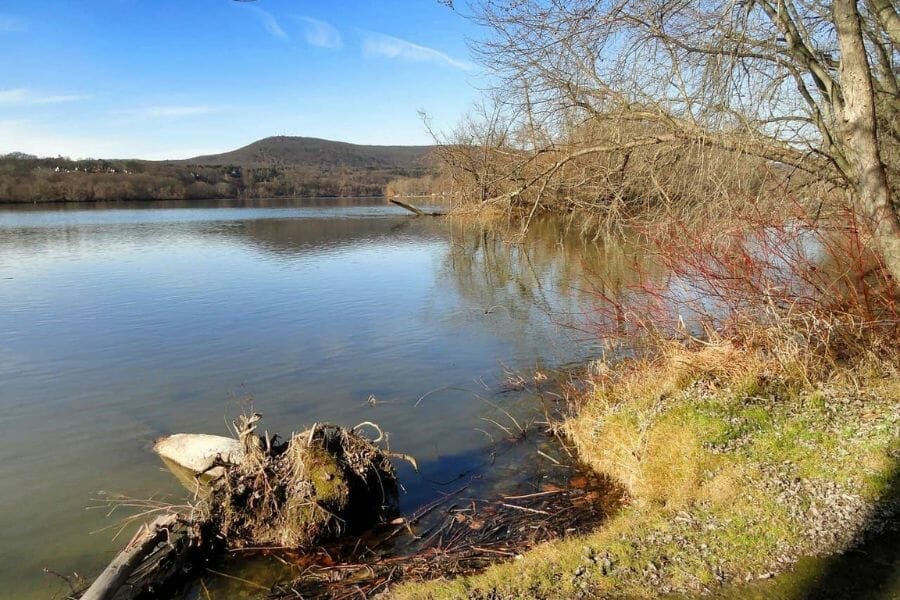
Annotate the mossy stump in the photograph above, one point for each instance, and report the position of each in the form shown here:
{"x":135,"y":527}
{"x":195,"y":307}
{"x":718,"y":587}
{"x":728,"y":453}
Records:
{"x":319,"y":484}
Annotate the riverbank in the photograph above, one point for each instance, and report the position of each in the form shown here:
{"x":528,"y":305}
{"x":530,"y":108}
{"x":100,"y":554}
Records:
{"x":738,"y":460}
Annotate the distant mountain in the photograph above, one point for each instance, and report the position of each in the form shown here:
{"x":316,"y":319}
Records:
{"x":285,"y":151}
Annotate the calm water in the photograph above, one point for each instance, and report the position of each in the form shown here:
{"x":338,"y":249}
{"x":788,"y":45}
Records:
{"x":121,"y":324}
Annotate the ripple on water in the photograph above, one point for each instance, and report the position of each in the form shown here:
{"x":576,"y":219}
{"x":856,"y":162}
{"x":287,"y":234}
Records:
{"x":120,"y":325}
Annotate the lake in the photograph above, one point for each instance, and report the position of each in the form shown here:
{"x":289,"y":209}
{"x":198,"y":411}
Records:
{"x":123,"y":323}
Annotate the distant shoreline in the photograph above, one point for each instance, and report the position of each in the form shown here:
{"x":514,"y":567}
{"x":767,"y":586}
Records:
{"x":187,"y":200}
{"x":4,"y":202}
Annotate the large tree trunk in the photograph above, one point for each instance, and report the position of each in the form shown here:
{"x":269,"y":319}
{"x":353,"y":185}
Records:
{"x":858,"y":130}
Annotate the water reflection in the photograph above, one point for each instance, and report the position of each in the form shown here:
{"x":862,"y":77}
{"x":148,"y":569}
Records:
{"x":122,"y":324}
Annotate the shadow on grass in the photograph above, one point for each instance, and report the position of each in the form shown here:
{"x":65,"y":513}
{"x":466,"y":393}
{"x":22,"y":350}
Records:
{"x":871,"y":570}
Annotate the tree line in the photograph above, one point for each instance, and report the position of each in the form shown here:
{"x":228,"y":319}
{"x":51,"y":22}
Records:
{"x":26,"y":178}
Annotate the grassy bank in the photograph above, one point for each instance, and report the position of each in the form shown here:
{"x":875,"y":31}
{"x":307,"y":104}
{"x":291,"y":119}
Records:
{"x":739,"y":459}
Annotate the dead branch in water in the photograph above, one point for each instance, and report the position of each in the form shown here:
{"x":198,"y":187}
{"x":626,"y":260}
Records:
{"x":140,"y":547}
{"x":414,"y":209}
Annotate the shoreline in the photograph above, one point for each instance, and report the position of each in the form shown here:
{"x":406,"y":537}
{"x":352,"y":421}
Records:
{"x":731,"y":483}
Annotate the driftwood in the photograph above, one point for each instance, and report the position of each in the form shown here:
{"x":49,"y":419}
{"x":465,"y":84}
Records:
{"x":414,"y":209}
{"x":107,"y":585}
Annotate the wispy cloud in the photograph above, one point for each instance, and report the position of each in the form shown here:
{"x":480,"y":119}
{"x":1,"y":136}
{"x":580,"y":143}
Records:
{"x":319,"y":33}
{"x":171,"y":111}
{"x":269,"y":22}
{"x":378,"y":44}
{"x":26,"y":97}
{"x":10,"y":23}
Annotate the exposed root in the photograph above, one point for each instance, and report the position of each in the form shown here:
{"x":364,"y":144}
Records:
{"x":317,"y":485}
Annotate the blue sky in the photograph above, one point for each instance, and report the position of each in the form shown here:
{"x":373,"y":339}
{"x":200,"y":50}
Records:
{"x":176,"y":78}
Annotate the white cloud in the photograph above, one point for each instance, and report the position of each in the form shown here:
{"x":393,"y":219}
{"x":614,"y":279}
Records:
{"x":26,"y":97}
{"x":10,"y":23}
{"x":319,"y":33}
{"x":270,"y":23}
{"x":172,"y":112}
{"x":377,"y":44}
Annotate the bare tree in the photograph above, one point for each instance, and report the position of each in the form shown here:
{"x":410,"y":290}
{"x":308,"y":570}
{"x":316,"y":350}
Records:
{"x":810,"y":84}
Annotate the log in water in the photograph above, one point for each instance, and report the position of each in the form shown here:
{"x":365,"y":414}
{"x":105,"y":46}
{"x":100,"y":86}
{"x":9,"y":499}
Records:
{"x":415,"y":209}
{"x":123,"y":565}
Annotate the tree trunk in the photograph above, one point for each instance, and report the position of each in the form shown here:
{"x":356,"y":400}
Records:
{"x":858,"y":130}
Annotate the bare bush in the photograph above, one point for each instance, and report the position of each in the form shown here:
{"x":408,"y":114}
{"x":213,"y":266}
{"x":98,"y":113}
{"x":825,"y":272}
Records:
{"x":702,"y":92}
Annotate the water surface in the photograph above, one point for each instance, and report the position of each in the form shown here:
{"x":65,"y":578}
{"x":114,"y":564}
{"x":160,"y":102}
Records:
{"x":123,"y":323}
